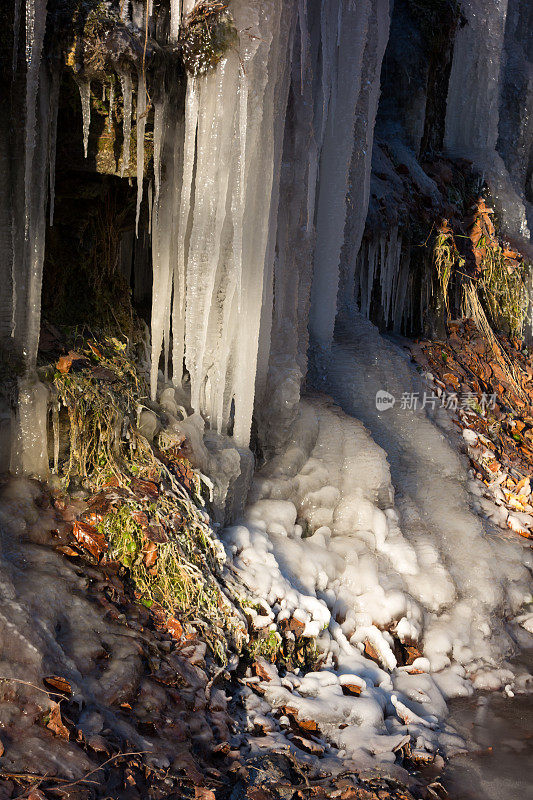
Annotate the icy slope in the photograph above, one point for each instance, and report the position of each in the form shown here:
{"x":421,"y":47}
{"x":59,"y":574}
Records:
{"x":367,"y":547}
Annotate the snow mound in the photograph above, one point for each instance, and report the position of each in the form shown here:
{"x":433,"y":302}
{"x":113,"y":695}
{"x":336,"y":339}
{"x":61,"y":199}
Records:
{"x":372,"y":549}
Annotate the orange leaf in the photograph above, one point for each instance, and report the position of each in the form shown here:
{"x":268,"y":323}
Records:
{"x":149,"y":554}
{"x":174,"y":627}
{"x":65,"y":362}
{"x":202,"y":793}
{"x":89,"y":538}
{"x":55,"y":723}
{"x":58,"y":683}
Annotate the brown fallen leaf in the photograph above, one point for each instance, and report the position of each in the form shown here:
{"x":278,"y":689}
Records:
{"x":174,"y":627}
{"x":144,"y":490}
{"x":371,"y":652}
{"x":351,"y":688}
{"x":305,"y":724}
{"x":36,"y":794}
{"x":58,"y":683}
{"x":65,"y":362}
{"x":67,"y":551}
{"x":308,"y":745}
{"x":203,"y":793}
{"x":149,"y":554}
{"x":95,"y":349}
{"x":156,"y":534}
{"x":90,"y":538}
{"x":55,"y":723}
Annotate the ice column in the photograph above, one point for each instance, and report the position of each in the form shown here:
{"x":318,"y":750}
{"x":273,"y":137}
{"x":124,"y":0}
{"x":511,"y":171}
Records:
{"x":473,"y":106}
{"x":344,"y":30}
{"x":220,"y":222}
{"x":21,"y":299}
{"x":359,"y":178}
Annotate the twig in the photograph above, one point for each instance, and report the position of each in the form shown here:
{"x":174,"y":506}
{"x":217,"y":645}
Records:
{"x":97,"y":769}
{"x":27,"y":683}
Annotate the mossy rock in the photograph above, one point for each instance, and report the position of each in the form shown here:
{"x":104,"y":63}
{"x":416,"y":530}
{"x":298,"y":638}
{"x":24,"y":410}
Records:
{"x":206,"y":36}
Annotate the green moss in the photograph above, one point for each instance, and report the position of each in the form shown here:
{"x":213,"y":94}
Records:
{"x":504,"y":291}
{"x":300,"y":653}
{"x":206,"y":36}
{"x":177,"y":581}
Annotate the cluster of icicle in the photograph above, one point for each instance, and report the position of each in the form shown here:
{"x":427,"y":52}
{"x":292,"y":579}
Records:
{"x":254,"y":175}
{"x":252,"y":245}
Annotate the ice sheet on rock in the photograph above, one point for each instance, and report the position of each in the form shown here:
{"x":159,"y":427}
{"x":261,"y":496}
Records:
{"x":39,"y":639}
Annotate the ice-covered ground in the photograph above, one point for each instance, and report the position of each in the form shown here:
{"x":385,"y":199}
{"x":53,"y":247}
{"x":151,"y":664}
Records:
{"x":364,"y":530}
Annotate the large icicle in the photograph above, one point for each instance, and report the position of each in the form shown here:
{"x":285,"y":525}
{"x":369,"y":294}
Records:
{"x":127,"y":97}
{"x":141,"y":127}
{"x":52,"y":145}
{"x":28,"y":211}
{"x":473,"y":105}
{"x":359,"y":178}
{"x":175,"y":19}
{"x":84,"y":85}
{"x":168,"y":151}
{"x":344,"y":35}
{"x":181,"y":229}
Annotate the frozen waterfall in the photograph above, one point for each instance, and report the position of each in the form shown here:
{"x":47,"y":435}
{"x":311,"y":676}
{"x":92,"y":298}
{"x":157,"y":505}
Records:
{"x":362,"y":526}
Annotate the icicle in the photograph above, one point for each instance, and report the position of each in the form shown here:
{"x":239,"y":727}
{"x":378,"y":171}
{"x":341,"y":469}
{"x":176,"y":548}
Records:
{"x":54,"y":108}
{"x":141,"y":126}
{"x":16,"y":33}
{"x":150,"y":207}
{"x":168,"y":140}
{"x":84,"y":86}
{"x":343,"y":49}
{"x":35,"y":29}
{"x":175,"y":19}
{"x":239,"y":210}
{"x":158,"y":140}
{"x":30,"y":30}
{"x":111,"y":106}
{"x":127,"y":93}
{"x":124,"y":10}
{"x":55,"y":427}
{"x":189,"y":155}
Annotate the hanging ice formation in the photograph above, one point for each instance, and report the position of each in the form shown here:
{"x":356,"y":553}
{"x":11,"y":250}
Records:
{"x":26,"y":155}
{"x":258,"y":132}
{"x":491,"y":69}
{"x":255,"y":165}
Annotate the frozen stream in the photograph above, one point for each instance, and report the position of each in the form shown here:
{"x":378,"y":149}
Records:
{"x":365,"y":532}
{"x":498,"y":767}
